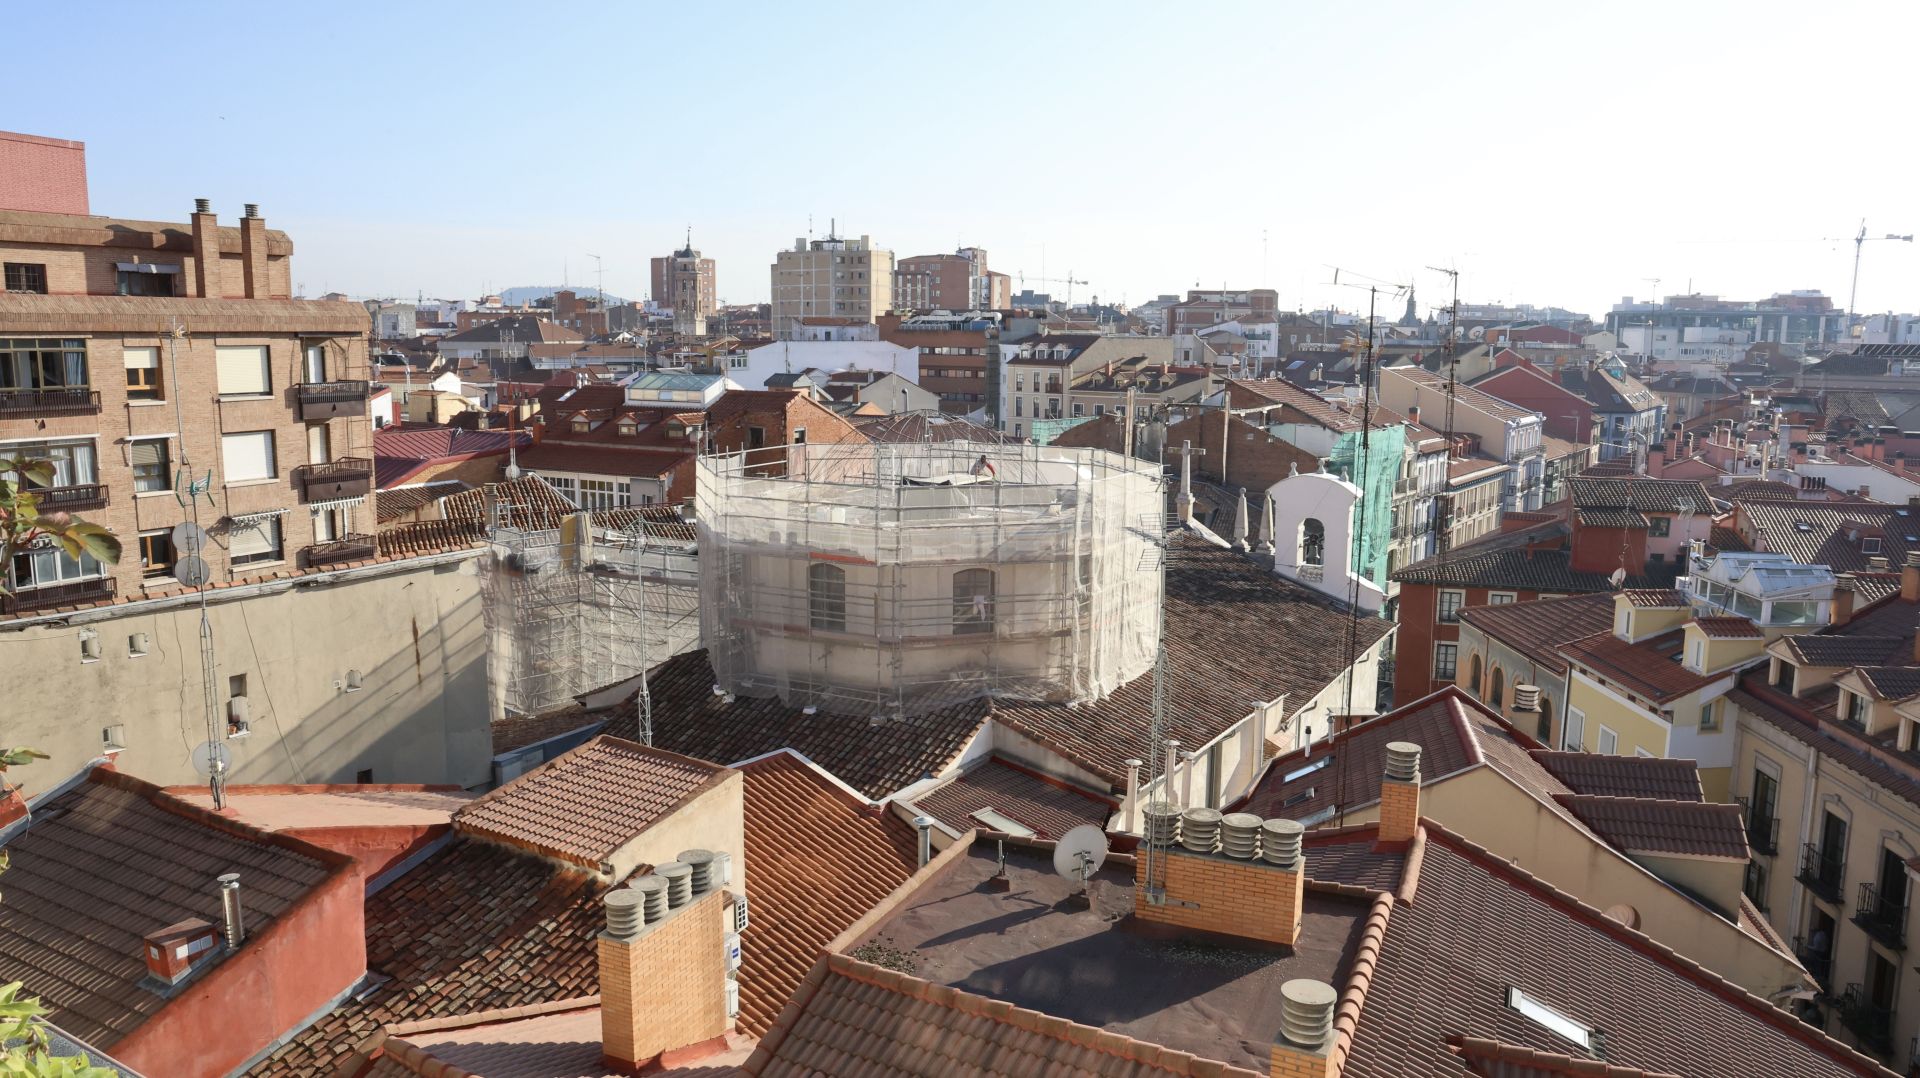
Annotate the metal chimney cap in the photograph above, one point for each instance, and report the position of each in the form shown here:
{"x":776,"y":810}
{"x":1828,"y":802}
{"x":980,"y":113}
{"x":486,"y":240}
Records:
{"x":696,"y":857}
{"x":229,"y":881}
{"x":923,"y":822}
{"x":203,"y":205}
{"x":252,"y":209}
{"x":1403,"y":761}
{"x":1306,"y":1012}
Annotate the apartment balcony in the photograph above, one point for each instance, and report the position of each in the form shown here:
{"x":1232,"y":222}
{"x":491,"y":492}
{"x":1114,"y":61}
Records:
{"x":1882,"y":916}
{"x":46,"y":598}
{"x":1818,"y":962}
{"x":353,"y":547}
{"x":331,"y":400}
{"x":72,"y":499}
{"x":1870,"y":1024}
{"x":60,"y":400}
{"x":1763,"y":833}
{"x":1821,"y":872}
{"x":347,"y":477}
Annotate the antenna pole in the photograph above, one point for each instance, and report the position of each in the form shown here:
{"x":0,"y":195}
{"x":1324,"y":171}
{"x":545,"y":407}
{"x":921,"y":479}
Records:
{"x":209,"y":669}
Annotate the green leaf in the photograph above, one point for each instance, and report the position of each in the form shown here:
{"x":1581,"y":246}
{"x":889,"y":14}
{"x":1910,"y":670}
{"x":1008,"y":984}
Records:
{"x":95,"y":540}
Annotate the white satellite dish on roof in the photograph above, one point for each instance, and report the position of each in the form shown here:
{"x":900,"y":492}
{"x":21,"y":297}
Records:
{"x":212,"y":758}
{"x":189,"y":539}
{"x":1080,"y":853}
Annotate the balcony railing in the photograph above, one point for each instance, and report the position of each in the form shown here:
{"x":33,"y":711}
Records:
{"x":52,"y":595}
{"x":1763,"y":832}
{"x":59,"y":400}
{"x":1883,"y":916}
{"x":328,"y":400}
{"x":1821,"y":872}
{"x":1819,"y":961}
{"x":346,"y":548}
{"x":1871,"y":1024}
{"x":348,"y":477}
{"x":71,"y":499}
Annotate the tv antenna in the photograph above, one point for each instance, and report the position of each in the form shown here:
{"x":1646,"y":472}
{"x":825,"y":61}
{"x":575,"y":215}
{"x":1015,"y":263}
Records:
{"x":1448,"y":346}
{"x":1079,"y":854}
{"x":193,"y":572}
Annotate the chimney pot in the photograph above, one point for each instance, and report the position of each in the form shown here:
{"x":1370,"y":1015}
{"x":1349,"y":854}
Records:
{"x":1200,"y":829}
{"x":253,"y":209}
{"x":624,"y":906}
{"x":1526,"y":698}
{"x":1240,"y":835}
{"x":653,"y":894}
{"x":1306,"y":1012}
{"x":701,"y":862}
{"x":1403,"y":761}
{"x":202,"y":205}
{"x":1280,"y":842}
{"x":679,"y":879}
{"x":924,"y":825}
{"x":236,"y":929}
{"x":1163,"y":819}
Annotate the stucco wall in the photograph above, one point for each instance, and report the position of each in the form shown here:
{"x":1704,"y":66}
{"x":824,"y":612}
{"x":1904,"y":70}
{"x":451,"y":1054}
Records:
{"x":413,"y":632}
{"x":713,"y":820}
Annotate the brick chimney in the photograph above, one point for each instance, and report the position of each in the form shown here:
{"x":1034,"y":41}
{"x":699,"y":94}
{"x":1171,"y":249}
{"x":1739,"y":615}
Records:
{"x":206,"y":250}
{"x":663,"y":969}
{"x":253,"y":253}
{"x":1843,"y":596}
{"x":1400,"y":793}
{"x":1237,"y":875}
{"x":1305,"y":1047}
{"x":1910,"y":578}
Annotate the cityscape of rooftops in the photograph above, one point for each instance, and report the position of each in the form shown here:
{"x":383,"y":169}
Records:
{"x":1081,"y":540}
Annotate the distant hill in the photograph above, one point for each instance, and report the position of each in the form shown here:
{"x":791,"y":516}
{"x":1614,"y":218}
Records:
{"x":527,"y":293}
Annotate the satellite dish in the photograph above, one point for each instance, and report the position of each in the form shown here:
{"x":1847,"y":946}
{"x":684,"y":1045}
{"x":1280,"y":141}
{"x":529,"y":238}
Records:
{"x":189,"y":539}
{"x":212,"y":758}
{"x":192,"y":571}
{"x":1617,"y":577}
{"x":1080,"y":853}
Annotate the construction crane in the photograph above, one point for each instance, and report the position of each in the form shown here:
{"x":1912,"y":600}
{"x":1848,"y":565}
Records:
{"x":1068,"y":280}
{"x":1860,"y":240}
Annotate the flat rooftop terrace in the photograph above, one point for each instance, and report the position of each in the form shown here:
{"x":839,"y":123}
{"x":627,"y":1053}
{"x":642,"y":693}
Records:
{"x":1216,"y":997}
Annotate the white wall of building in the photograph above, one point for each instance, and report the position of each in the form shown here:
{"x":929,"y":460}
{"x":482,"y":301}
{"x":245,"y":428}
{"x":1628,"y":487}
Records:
{"x":792,"y":357}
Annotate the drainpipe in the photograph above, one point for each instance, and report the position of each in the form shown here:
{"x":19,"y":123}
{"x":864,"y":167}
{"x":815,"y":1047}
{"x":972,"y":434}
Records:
{"x":1132,"y":809}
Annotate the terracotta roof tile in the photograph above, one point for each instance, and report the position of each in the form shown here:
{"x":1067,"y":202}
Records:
{"x":819,"y":861}
{"x":400,"y":501}
{"x":1641,"y":494}
{"x":1656,"y":598}
{"x":1819,"y":533}
{"x":104,"y":864}
{"x":1647,"y":667}
{"x":1892,"y":682}
{"x":1623,"y":776}
{"x":1048,"y":807}
{"x":1728,"y":628}
{"x":1645,"y":825}
{"x":1502,"y":560}
{"x":584,"y":805}
{"x":1537,"y":629}
{"x":1820,"y":649}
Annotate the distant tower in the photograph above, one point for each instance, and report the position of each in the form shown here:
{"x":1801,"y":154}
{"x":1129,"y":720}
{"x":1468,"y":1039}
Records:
{"x":686,"y":282}
{"x":1411,"y":318}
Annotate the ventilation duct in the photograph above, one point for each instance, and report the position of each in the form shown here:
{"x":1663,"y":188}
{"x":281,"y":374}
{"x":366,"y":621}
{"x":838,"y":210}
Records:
{"x":623,"y":913}
{"x":1200,"y":829}
{"x":1240,"y":835}
{"x":653,"y":896}
{"x":1280,"y":842}
{"x":679,"y":879}
{"x":1403,"y":761}
{"x":1163,"y":819}
{"x":1306,"y":1012}
{"x":1526,"y":697}
{"x":701,"y":864}
{"x":236,"y":928}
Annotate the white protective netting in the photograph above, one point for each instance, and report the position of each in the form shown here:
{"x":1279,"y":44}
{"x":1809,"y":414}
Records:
{"x":569,"y":611}
{"x":890,"y":579}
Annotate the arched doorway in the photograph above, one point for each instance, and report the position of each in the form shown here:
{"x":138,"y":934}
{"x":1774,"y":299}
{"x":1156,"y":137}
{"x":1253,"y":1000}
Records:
{"x":1496,"y":694}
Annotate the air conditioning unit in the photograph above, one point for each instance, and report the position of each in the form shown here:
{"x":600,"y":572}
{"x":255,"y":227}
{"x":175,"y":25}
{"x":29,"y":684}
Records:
{"x":733,"y":951}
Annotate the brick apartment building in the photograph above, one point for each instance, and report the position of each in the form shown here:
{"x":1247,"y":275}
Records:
{"x":44,"y":175}
{"x":960,"y":281}
{"x":1205,"y":307}
{"x":959,"y":357}
{"x":145,"y":358}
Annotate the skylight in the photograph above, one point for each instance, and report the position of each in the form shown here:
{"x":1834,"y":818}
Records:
{"x":1579,"y":1034}
{"x":1318,"y":817}
{"x":1307,"y":769}
{"x":998,"y":822}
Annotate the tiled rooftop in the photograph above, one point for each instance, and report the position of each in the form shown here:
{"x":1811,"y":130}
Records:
{"x":1537,"y":629}
{"x":819,"y":860}
{"x":1821,"y":649}
{"x":1818,"y":533}
{"x":1657,"y":598}
{"x":1502,"y":560}
{"x":1048,"y":807}
{"x":558,"y":1040}
{"x":1641,"y":493}
{"x":587,"y":803}
{"x":1623,"y":776}
{"x":1645,"y":667}
{"x":1647,"y":826}
{"x":111,"y":860}
{"x":1729,"y":628}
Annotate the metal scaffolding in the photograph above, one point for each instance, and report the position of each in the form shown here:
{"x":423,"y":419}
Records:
{"x":889,"y":579}
{"x":581,"y":607}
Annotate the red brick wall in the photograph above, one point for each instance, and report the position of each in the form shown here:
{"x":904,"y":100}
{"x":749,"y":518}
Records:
{"x":45,"y":175}
{"x":1420,"y":630}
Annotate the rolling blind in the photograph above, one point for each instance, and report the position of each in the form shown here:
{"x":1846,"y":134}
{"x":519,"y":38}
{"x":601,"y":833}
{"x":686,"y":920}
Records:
{"x":248,"y":455}
{"x":254,"y":539}
{"x":242,"y":370}
{"x":142,"y":359}
{"x":150,"y":451}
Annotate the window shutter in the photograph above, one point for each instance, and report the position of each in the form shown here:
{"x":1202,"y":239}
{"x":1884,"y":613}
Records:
{"x":248,"y":455}
{"x":142,"y":359}
{"x":149,"y":451}
{"x":260,"y":537}
{"x":243,"y":370}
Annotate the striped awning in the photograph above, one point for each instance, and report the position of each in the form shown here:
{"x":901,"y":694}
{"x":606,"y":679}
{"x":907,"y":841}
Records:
{"x":249,"y":520}
{"x":316,"y":508}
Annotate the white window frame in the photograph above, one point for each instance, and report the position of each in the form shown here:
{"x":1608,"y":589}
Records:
{"x":228,"y":440}
{"x":1607,"y":741}
{"x":1500,"y":598}
{"x":1573,"y":731}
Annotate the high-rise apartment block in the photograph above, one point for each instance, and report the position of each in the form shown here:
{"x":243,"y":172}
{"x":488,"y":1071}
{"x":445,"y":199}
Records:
{"x":162,"y":368}
{"x":685,"y":282}
{"x":957,"y":282}
{"x":1205,"y":307}
{"x":835,"y":277}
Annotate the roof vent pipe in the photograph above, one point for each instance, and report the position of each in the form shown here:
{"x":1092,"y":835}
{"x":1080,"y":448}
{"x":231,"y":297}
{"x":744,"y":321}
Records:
{"x":623,"y":913}
{"x":679,"y":879}
{"x":1403,"y":761}
{"x":653,"y":895}
{"x":252,"y":209}
{"x":1240,"y":835}
{"x":1200,"y":829}
{"x":202,"y":205}
{"x":701,"y":862}
{"x":1280,"y":842}
{"x":1306,"y":1012}
{"x":230,"y":907}
{"x":924,"y":825}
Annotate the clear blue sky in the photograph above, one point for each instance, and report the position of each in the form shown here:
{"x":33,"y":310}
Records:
{"x":1557,"y":153}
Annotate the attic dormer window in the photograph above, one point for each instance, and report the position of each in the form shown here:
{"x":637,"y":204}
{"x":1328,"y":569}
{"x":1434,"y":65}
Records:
{"x":1869,"y":544}
{"x":628,"y":429}
{"x":581,"y":425}
{"x":1854,"y":708}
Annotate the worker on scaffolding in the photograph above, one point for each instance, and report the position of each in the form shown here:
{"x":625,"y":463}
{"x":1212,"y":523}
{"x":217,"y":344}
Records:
{"x":983,"y":468}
